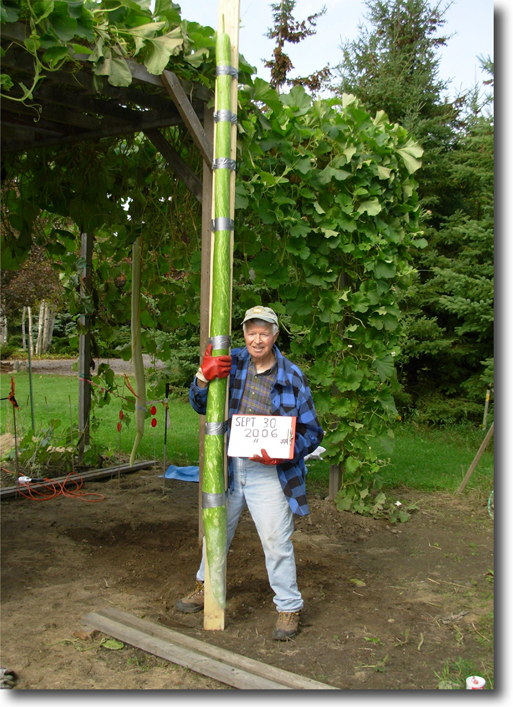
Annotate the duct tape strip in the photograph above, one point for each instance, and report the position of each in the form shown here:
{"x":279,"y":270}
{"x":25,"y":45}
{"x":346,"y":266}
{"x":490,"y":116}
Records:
{"x":212,"y":500}
{"x":220,"y":342}
{"x":227,"y":71}
{"x":224,"y":163}
{"x":223,"y":224}
{"x":225,"y":116}
{"x":216,"y":428}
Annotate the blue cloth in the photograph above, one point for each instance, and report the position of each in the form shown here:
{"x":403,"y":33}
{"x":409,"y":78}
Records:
{"x":183,"y":473}
{"x":291,"y":396}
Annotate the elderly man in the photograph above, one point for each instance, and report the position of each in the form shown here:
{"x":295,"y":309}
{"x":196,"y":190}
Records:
{"x":264,"y":382}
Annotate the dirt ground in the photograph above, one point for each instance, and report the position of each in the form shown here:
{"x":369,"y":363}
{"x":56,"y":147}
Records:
{"x":385,"y":608}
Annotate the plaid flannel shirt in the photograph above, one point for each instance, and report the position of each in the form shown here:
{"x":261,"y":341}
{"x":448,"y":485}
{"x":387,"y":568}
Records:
{"x":290,"y":396}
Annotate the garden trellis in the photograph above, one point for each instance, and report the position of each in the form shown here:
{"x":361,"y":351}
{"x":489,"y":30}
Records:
{"x":326,"y":217}
{"x":73,"y":103}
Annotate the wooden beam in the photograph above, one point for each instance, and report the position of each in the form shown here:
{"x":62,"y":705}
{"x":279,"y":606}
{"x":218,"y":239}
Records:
{"x":177,"y":164}
{"x":189,"y":116}
{"x":82,"y":83}
{"x":17,"y":31}
{"x":206,"y":236}
{"x":478,"y":456}
{"x":90,"y":475}
{"x":223,"y":665}
{"x":137,"y":127}
{"x":79,"y":101}
{"x":84,"y":347}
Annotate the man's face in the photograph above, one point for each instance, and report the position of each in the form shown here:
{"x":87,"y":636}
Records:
{"x":259,"y":340}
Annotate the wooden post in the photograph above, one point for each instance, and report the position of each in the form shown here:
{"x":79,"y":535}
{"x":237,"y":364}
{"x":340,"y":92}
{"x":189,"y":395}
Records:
{"x":206,"y":236}
{"x":478,"y":456}
{"x":29,"y":353}
{"x":84,"y":348}
{"x":335,"y":480}
{"x":220,"y":311}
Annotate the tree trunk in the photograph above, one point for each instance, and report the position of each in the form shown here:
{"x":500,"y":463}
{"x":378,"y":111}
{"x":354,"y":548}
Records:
{"x":30,"y":337}
{"x":47,"y":328}
{"x":40,"y":328}
{"x":3,"y":329}
{"x":23,"y":333}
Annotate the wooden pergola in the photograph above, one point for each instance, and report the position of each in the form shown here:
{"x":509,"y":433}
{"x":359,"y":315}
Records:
{"x":72,"y":111}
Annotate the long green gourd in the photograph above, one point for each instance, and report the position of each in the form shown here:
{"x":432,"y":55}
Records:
{"x":214,"y":502}
{"x":137,"y":358}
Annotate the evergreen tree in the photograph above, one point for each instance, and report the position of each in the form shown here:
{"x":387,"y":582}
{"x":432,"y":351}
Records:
{"x":393,"y":66}
{"x":287,"y":29}
{"x":448,"y":348}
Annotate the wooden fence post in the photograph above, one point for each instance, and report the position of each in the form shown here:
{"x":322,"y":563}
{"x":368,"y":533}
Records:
{"x":478,"y":456}
{"x":84,"y":348}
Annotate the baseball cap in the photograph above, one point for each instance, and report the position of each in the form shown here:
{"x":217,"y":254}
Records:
{"x":264,"y":313}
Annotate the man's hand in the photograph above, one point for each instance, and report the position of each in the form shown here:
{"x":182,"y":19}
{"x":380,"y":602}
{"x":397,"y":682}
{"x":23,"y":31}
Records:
{"x":265,"y":459}
{"x":215,"y":366}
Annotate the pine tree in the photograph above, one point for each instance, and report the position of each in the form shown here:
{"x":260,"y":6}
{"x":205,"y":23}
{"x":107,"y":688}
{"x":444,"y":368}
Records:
{"x":451,"y":343}
{"x":287,"y":29}
{"x":393,"y":66}
{"x":448,"y":313}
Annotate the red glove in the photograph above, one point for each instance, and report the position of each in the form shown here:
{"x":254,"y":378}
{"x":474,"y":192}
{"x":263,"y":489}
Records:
{"x":215,"y":366}
{"x":266,"y":459}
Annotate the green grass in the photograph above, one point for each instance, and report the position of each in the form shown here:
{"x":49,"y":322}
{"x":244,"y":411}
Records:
{"x":423,"y":459}
{"x":427,"y":459}
{"x":438,"y":459}
{"x":56,"y":397}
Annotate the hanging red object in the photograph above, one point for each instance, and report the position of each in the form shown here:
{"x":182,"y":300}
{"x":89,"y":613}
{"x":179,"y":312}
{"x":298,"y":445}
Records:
{"x":154,"y":422}
{"x":153,"y":410}
{"x":121,"y":414}
{"x":119,"y":426}
{"x":11,"y":397}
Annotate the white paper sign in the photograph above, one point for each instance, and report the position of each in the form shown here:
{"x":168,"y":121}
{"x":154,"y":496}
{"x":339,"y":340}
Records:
{"x":249,"y":434}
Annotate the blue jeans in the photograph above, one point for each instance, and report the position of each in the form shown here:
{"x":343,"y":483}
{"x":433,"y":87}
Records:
{"x":258,"y":487}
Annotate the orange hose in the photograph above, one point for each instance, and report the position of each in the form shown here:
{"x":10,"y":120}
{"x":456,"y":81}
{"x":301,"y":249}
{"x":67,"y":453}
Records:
{"x":53,"y":489}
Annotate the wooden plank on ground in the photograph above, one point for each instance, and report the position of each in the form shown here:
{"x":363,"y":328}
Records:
{"x":90,"y":475}
{"x":199,"y":662}
{"x":262,"y":670}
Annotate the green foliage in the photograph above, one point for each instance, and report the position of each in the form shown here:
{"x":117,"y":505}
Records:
{"x":7,"y":350}
{"x":108,"y":35}
{"x":326,"y":220}
{"x":447,"y":310}
{"x":46,"y":453}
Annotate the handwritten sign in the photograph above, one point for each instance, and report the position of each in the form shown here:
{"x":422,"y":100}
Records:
{"x":250,"y":434}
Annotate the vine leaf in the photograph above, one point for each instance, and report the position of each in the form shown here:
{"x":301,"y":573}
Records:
{"x":411,"y":154}
{"x":9,"y":11}
{"x":64,"y":26}
{"x":159,"y":49}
